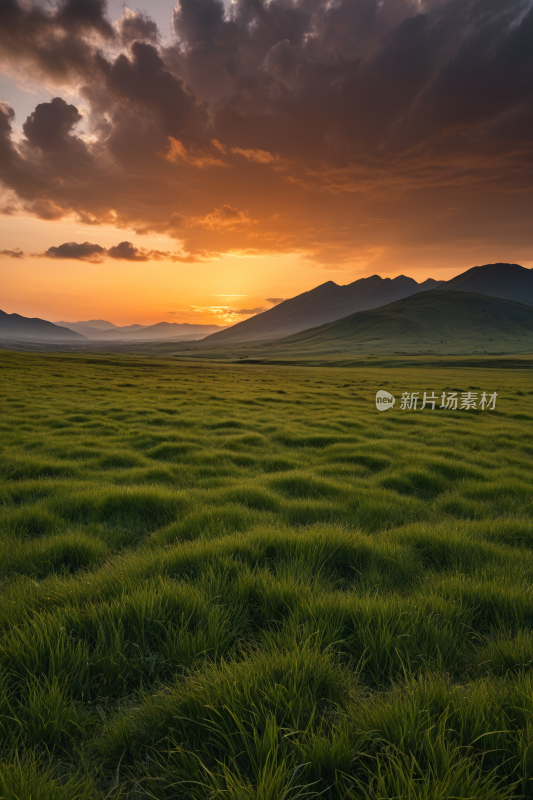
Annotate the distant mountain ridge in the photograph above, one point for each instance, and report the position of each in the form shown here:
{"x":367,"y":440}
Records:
{"x":325,"y":303}
{"x":99,"y":324}
{"x":13,"y":326}
{"x":330,"y":302}
{"x":161,"y":330}
{"x":171,"y":329}
{"x":94,"y":327}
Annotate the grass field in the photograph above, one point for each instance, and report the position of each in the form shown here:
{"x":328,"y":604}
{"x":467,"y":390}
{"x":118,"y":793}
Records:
{"x":224,"y":581}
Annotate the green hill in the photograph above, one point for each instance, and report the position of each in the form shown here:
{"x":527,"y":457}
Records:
{"x":435,"y":321}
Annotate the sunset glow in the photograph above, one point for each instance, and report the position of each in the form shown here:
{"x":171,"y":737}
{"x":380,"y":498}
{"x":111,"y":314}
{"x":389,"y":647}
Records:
{"x":259,"y":152}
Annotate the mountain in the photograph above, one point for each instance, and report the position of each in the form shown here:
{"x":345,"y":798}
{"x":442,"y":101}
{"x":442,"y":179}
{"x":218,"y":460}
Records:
{"x":95,"y":327}
{"x":79,"y":327}
{"x":99,"y":324}
{"x":125,"y":328}
{"x":434,"y":321}
{"x":509,"y":281}
{"x":323,"y":304}
{"x":330,"y":302}
{"x":13,"y":326}
{"x":161,"y":330}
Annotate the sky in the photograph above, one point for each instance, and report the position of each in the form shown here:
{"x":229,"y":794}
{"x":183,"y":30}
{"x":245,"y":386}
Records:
{"x":199,"y":162}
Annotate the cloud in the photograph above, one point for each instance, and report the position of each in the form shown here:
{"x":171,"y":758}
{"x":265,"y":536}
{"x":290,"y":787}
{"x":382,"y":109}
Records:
{"x":50,"y":126}
{"x":227,"y":314}
{"x":79,"y":252}
{"x":124,"y":251}
{"x":275,"y":300}
{"x":256,"y":156}
{"x":226,"y":217}
{"x":277,"y":126}
{"x":177,"y":152}
{"x":7,"y":110}
{"x":134,"y":26}
{"x":247,"y":311}
{"x":16,"y":253}
{"x":58,"y":44}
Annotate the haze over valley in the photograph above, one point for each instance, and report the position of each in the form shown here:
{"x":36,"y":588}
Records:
{"x":106,"y":331}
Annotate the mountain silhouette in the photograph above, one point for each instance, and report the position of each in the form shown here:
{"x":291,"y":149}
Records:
{"x":329,"y":302}
{"x":324,"y":303}
{"x":508,"y":281}
{"x":14,"y":326}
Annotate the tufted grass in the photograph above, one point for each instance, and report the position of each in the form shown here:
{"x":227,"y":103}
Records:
{"x":224,"y":581}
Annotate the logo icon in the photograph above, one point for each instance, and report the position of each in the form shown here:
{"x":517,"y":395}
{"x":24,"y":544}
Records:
{"x":384,"y":400}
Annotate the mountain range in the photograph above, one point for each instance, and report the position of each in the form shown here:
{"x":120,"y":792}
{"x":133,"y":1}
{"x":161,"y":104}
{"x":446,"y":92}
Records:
{"x":106,"y":331}
{"x":95,"y":327}
{"x":317,"y":310}
{"x":324,"y":303}
{"x":329,"y":301}
{"x":435,"y":321}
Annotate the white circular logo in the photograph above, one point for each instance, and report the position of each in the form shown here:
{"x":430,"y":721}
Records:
{"x":384,"y":400}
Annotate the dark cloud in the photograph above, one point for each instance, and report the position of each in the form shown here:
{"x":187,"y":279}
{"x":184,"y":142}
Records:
{"x":275,"y":300}
{"x":16,"y":253}
{"x":7,"y":114}
{"x":7,"y":151}
{"x":58,"y":43}
{"x":80,"y":252}
{"x":50,"y":126}
{"x":82,"y":15}
{"x":141,"y":82}
{"x":136,"y":26}
{"x":247,"y":311}
{"x":279,"y":125}
{"x":124,"y":251}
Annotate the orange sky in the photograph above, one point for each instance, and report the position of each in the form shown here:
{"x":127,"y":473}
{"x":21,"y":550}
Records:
{"x":205,"y":293}
{"x":254,"y":153}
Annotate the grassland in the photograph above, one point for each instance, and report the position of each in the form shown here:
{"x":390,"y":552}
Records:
{"x":224,"y":581}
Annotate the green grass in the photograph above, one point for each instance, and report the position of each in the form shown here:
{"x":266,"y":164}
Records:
{"x":225,"y":581}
